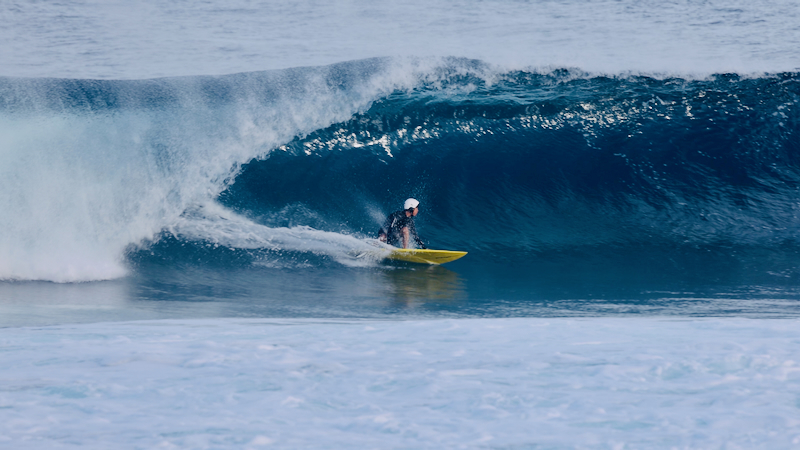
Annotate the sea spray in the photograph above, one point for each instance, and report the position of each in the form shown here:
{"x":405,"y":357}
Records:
{"x":92,"y":167}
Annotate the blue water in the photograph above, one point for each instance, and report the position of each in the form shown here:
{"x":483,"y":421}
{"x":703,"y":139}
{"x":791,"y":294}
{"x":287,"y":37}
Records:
{"x":187,"y":190}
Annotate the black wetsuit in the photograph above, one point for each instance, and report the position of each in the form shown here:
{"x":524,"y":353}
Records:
{"x":393,"y":229}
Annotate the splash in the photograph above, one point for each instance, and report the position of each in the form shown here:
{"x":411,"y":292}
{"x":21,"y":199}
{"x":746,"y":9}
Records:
{"x":91,"y":167}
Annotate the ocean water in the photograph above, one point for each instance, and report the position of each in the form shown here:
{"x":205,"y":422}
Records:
{"x":187,"y":188}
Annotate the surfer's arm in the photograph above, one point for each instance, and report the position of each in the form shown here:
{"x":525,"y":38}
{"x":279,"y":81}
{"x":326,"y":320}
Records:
{"x":411,"y":231}
{"x":406,"y":234}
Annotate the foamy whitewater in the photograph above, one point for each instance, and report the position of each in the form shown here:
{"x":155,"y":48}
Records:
{"x":188,"y":192}
{"x":480,"y":383}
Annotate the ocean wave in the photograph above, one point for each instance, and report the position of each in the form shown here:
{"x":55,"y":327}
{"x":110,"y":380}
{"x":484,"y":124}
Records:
{"x":525,"y":160}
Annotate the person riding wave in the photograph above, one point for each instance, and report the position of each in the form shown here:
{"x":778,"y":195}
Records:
{"x":399,"y":227}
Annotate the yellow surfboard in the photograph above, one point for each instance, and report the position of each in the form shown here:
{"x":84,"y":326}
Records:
{"x":425,"y":256}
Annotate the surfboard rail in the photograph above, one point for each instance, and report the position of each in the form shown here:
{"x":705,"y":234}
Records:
{"x":425,"y":256}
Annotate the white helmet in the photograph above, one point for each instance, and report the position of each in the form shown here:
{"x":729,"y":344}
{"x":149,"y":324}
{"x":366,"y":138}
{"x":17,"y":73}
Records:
{"x":410,"y":203}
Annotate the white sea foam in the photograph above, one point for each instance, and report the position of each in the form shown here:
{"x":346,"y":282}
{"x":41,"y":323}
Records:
{"x":484,"y":383}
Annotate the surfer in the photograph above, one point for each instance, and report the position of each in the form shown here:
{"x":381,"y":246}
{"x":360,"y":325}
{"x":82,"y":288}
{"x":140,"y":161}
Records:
{"x":399,"y":226}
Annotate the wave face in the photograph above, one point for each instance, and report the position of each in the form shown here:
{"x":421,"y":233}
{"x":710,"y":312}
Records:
{"x":295,"y":167}
{"x":550,"y":161}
